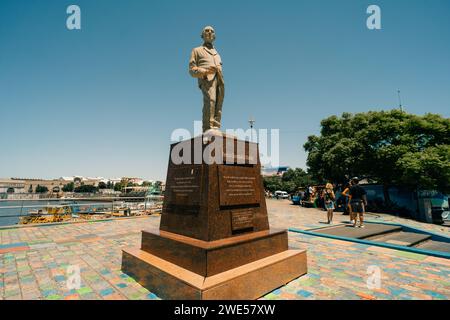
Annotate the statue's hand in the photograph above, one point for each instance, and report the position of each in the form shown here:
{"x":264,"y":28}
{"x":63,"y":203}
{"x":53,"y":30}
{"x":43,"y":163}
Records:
{"x":211,"y":70}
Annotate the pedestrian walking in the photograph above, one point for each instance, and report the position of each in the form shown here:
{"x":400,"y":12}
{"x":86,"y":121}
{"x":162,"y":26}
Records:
{"x":347,"y":206}
{"x":358,"y":201}
{"x":329,"y":197}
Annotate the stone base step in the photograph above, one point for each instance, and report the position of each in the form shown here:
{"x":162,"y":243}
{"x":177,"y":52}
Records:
{"x":208,"y":258}
{"x":249,"y":281}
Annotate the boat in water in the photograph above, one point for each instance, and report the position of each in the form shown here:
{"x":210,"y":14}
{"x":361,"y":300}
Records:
{"x":50,"y":213}
{"x":71,"y":212}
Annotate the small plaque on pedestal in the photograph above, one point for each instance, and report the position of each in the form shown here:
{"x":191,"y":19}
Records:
{"x":242,"y":219}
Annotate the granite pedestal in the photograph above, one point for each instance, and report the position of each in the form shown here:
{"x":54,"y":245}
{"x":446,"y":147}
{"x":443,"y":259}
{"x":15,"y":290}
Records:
{"x":214,"y":240}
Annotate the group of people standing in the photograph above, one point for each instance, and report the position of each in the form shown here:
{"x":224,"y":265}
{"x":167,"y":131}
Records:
{"x":355,"y":201}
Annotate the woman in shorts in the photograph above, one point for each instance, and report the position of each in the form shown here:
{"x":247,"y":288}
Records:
{"x":347,"y":206}
{"x":329,"y":197}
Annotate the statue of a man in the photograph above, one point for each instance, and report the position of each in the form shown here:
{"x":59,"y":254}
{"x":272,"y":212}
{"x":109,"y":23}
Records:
{"x":206,"y":65}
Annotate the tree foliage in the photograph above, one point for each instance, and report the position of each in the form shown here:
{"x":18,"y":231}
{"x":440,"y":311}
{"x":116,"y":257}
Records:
{"x":41,"y":189}
{"x":290,"y":181}
{"x":86,"y":188}
{"x":118,"y":186}
{"x":391,"y":147}
{"x":68,"y":187}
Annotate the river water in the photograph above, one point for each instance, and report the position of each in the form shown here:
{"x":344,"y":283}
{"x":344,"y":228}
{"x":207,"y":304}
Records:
{"x":10,"y":216}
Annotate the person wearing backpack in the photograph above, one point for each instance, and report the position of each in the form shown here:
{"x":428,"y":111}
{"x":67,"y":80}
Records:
{"x":358,"y":201}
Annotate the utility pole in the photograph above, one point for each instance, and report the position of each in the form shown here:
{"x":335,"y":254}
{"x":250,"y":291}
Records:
{"x":400,"y":101}
{"x":252,"y":122}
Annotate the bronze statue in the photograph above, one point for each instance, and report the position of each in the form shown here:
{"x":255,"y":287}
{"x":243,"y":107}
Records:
{"x":206,"y":65}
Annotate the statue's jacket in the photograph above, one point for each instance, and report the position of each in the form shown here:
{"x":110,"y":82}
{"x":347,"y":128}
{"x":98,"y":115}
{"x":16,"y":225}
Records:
{"x":201,"y":59}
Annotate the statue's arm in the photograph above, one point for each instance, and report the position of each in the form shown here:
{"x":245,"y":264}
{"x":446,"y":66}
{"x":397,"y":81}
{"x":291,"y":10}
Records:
{"x":194,"y":70}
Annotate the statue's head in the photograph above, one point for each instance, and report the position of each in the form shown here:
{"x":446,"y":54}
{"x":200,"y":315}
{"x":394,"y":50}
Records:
{"x":208,"y":34}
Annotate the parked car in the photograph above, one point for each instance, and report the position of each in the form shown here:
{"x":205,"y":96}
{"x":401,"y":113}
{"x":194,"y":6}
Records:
{"x":446,"y":217}
{"x":281,"y":195}
{"x":296,"y":199}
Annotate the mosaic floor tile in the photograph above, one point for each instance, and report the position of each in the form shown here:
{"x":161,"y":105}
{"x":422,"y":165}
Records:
{"x":336,"y":268}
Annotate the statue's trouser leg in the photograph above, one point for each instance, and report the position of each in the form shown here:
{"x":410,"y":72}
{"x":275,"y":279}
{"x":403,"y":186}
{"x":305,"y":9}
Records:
{"x":220,"y":93}
{"x":209,"y":103}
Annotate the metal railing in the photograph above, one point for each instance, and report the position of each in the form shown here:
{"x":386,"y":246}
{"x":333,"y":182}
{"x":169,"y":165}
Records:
{"x":78,"y":206}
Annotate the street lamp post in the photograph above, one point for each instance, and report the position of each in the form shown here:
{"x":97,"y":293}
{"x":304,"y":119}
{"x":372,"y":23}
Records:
{"x":252,"y":122}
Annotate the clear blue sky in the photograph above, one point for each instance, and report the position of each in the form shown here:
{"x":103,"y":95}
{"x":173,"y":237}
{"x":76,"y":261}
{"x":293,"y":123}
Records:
{"x":104,"y":100}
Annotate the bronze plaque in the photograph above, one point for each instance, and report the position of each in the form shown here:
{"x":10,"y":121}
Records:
{"x":183,"y":186}
{"x":242,"y":219}
{"x":238,"y":185}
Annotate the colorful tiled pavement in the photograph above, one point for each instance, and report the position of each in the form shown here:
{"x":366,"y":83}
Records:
{"x":36,"y":262}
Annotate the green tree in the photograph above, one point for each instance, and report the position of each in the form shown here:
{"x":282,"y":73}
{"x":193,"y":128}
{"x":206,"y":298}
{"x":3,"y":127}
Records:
{"x":87,"y":188}
{"x":146,"y":184}
{"x":390,"y":147}
{"x":118,"y":186}
{"x":290,"y":181}
{"x":68,"y":187}
{"x":158,"y":184}
{"x":429,"y":169}
{"x":298,"y":176}
{"x":272,"y":183}
{"x":102,"y":185}
{"x":41,"y":189}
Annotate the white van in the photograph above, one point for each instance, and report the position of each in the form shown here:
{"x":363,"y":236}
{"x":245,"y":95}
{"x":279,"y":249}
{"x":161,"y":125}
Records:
{"x":281,"y":195}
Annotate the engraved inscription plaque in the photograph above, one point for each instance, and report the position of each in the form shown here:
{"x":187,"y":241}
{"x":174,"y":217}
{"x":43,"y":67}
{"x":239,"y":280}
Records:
{"x":238,"y":185}
{"x":184,"y":186}
{"x":242,"y":219}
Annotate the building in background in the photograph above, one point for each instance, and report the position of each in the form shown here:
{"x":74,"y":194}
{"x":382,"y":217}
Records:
{"x":274,"y":171}
{"x":27,"y":186}
{"x":135,"y":181}
{"x":12,"y":186}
